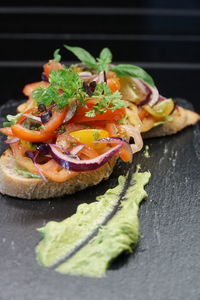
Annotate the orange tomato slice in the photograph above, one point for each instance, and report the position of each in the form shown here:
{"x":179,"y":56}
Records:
{"x":7,"y":131}
{"x":113,"y":84}
{"x":52,"y":66}
{"x":29,"y":88}
{"x":43,"y":134}
{"x":108,"y":115}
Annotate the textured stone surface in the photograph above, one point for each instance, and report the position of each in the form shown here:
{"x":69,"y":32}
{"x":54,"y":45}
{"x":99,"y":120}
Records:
{"x":166,"y":263}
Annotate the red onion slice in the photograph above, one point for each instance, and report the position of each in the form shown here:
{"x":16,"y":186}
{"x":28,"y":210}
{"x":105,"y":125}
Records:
{"x":87,"y":76}
{"x":11,"y":140}
{"x":61,"y":148}
{"x":31,"y":155}
{"x":144,"y":89}
{"x":69,"y":163}
{"x":154,"y":94}
{"x":29,"y":116}
{"x":136,"y":135}
{"x":117,"y":140}
{"x":71,"y":112}
{"x":38,"y":169}
{"x":76,"y":149}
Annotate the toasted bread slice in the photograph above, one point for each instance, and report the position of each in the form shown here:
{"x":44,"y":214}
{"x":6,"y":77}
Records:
{"x":14,"y":184}
{"x":181,"y":118}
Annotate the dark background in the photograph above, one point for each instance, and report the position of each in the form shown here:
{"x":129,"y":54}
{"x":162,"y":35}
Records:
{"x":163,"y":37}
{"x":160,"y":36}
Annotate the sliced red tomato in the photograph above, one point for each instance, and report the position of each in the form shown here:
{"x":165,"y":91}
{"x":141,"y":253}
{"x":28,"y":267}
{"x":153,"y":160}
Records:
{"x":108,"y":115}
{"x":50,"y":66}
{"x":30,"y":135}
{"x":112,"y":129}
{"x":88,"y":153}
{"x":43,"y":134}
{"x":111,"y":74}
{"x":29,"y":88}
{"x":54,"y":172}
{"x":124,"y":155}
{"x":22,"y":118}
{"x":113,"y":84}
{"x":7,"y":131}
{"x":21,"y":160}
{"x":50,"y":169}
{"x":142,"y":114}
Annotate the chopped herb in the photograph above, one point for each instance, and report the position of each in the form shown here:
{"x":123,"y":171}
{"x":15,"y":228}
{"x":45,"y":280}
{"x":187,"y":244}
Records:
{"x":11,"y":120}
{"x":26,"y":124}
{"x":96,"y":134}
{"x":71,"y":144}
{"x":27,"y":174}
{"x":36,"y":126}
{"x":91,"y":113}
{"x":64,"y":85}
{"x":6,"y":124}
{"x":61,"y":129}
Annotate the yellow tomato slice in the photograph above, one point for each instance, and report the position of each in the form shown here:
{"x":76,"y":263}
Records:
{"x":161,"y":109}
{"x":88,"y":136}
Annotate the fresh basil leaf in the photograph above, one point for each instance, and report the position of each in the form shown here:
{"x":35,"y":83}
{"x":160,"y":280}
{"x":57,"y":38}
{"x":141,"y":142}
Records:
{"x":133,"y":71}
{"x":56,"y":55}
{"x":104,"y":59}
{"x":83,"y":55}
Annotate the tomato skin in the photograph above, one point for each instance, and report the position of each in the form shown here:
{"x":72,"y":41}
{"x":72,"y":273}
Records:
{"x":29,"y":88}
{"x":143,"y":114}
{"x":108,"y":115}
{"x":56,"y":120}
{"x":113,"y":84}
{"x":50,"y":169}
{"x":44,"y":134}
{"x":30,"y":135}
{"x":51,"y":66}
{"x":124,"y":155}
{"x":112,"y":129}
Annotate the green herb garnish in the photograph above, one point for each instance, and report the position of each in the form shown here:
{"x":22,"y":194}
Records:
{"x":64,"y":85}
{"x":100,"y":64}
{"x":27,"y":174}
{"x":11,"y":120}
{"x":107,"y":99}
{"x":56,"y":55}
{"x":133,"y":71}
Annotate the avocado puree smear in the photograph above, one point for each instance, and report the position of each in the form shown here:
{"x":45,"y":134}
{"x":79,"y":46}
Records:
{"x":111,"y":234}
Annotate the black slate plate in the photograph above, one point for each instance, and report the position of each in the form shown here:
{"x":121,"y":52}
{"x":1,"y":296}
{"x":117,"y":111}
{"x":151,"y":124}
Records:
{"x":166,"y":263}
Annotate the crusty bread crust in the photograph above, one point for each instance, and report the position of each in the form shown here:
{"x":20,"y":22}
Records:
{"x":181,"y":118}
{"x":16,"y":185}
